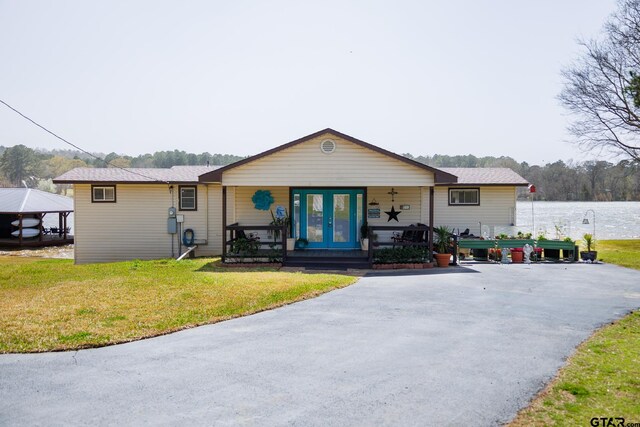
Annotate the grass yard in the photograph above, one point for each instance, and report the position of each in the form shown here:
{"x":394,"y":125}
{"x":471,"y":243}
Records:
{"x":621,"y":252}
{"x":602,"y":379}
{"x":56,"y":305}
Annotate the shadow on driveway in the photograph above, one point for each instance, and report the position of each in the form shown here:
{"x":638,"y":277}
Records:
{"x":421,"y":272}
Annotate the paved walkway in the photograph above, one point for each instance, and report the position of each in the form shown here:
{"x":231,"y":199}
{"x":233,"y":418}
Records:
{"x":467,"y":347}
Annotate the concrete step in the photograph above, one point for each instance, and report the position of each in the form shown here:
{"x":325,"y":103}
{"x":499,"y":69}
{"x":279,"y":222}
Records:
{"x":332,"y":263}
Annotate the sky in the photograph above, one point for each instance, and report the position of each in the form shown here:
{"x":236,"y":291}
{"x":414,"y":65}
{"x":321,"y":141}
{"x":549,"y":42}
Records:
{"x":240,"y":77}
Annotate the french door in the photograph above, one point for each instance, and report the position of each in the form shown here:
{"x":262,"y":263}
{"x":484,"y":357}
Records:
{"x":328,"y":219}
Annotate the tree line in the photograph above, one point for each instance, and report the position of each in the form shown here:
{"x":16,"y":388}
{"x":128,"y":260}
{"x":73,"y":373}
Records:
{"x":21,"y":165}
{"x":595,"y":180}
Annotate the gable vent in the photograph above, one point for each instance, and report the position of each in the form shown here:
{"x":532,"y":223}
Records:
{"x":328,"y":146}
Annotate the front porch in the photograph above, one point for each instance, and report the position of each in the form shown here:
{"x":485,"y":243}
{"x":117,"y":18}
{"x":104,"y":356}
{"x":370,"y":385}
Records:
{"x":243,"y":245}
{"x":328,"y":226}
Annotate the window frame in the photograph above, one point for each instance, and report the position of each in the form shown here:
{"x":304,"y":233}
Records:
{"x":476,"y":189}
{"x":93,"y":194}
{"x":195,"y":197}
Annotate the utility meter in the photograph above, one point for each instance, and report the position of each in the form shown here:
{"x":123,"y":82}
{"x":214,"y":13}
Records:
{"x":172,"y":224}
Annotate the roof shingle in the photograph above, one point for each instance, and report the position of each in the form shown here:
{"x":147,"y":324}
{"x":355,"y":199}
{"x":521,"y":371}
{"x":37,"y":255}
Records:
{"x":486,"y":176}
{"x":134,"y":175}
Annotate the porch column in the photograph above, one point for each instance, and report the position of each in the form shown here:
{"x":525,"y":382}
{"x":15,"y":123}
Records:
{"x":20,"y":229}
{"x":41,"y":218}
{"x":224,"y":223}
{"x":431,"y":191}
{"x":64,"y":220}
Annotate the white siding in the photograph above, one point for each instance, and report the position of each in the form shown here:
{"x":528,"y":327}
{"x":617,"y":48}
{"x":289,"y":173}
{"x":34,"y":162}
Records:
{"x":304,"y":165}
{"x":497,"y":208}
{"x":135,"y":227}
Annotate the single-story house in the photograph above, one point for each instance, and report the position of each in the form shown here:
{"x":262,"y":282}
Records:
{"x":328,"y":183}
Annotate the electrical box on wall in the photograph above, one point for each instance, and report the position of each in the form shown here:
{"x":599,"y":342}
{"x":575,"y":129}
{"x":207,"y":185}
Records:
{"x":172,"y":226}
{"x":180,"y":218}
{"x":172,"y":212}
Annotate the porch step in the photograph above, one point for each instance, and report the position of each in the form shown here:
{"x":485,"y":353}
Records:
{"x":327,"y":262}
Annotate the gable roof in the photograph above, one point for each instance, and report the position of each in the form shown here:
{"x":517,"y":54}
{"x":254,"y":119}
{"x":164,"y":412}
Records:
{"x":439,"y":175}
{"x":30,"y":200}
{"x":484,"y":176}
{"x":175,"y":174}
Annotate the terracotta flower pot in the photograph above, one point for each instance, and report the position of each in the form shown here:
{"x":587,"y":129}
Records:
{"x":443,"y":259}
{"x":517,"y":257}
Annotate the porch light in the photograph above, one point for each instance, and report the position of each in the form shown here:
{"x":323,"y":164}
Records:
{"x":585,"y":220}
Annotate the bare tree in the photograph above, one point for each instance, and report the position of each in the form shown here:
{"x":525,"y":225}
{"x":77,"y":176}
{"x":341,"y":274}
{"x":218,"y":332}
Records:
{"x":602,"y":88}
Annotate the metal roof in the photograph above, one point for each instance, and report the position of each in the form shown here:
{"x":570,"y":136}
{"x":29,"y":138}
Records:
{"x":485,"y":176}
{"x":29,"y":200}
{"x":175,"y":174}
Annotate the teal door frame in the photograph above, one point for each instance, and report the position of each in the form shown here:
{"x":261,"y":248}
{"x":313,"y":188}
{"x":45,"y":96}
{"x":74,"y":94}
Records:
{"x":328,"y":220}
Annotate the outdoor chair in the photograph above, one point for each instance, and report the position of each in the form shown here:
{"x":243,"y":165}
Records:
{"x":411,"y":236}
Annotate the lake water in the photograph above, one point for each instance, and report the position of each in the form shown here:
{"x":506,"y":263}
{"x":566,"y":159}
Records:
{"x":613,"y":220}
{"x":51,"y":220}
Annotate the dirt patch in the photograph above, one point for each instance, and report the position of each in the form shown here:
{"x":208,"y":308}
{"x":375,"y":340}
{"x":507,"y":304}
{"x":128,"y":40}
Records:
{"x":64,"y":252}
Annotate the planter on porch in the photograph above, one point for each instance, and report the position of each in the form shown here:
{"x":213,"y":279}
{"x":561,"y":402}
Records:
{"x":291,"y":244}
{"x":301,"y":243}
{"x":443,"y":259}
{"x":364,"y":244}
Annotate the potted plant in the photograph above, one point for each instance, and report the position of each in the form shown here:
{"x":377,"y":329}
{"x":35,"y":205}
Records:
{"x":517,"y":255}
{"x":302,"y":243}
{"x":443,"y":237}
{"x":589,"y":254}
{"x":364,"y":236}
{"x":279,"y":221}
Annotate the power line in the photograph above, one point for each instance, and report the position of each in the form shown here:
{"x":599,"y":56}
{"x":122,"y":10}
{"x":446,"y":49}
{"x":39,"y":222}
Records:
{"x":78,"y":148}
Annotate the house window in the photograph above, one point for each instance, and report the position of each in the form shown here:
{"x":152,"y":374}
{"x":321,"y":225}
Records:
{"x":103,"y":194}
{"x":188,"y":198}
{"x":464,"y":196}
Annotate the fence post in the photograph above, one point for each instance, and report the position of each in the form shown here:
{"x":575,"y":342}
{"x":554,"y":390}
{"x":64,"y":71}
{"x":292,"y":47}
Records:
{"x":455,"y":249}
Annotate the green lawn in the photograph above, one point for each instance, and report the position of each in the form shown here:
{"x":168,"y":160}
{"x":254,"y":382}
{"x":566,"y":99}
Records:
{"x":622,"y":252}
{"x":602,"y":379}
{"x":56,"y":305}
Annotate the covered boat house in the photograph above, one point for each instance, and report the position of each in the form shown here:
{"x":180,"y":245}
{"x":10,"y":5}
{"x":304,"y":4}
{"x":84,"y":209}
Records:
{"x":22,"y":218}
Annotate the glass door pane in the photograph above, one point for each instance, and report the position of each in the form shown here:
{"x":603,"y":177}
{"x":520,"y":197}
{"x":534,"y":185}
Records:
{"x":341,"y":218}
{"x":315,"y":218}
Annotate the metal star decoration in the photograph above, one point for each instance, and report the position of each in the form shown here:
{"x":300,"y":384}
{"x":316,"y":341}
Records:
{"x":393,"y":214}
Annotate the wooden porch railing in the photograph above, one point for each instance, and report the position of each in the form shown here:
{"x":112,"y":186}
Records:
{"x":426,"y":241}
{"x":234,"y":232}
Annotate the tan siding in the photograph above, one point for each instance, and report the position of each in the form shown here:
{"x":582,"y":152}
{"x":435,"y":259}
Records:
{"x":247,"y":214}
{"x":424,"y":201}
{"x":135,"y":227}
{"x":214,"y":222}
{"x":497,"y":208}
{"x":406,"y":196}
{"x":305,"y":165}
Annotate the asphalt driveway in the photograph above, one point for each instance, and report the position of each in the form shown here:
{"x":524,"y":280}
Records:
{"x":469,"y":347}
